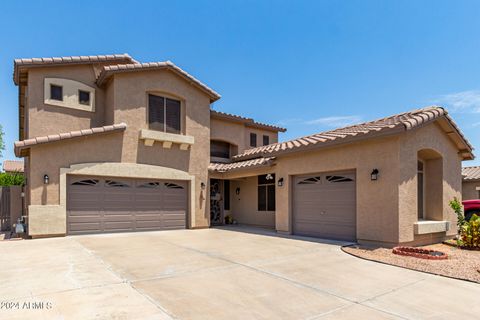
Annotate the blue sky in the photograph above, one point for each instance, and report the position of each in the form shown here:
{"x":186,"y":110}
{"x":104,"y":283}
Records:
{"x":305,"y":65}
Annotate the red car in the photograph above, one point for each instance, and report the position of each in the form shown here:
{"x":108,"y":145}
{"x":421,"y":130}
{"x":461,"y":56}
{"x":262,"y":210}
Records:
{"x":471,"y":207}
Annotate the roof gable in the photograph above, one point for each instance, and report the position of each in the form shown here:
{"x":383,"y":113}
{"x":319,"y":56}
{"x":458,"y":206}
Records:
{"x":110,"y":70}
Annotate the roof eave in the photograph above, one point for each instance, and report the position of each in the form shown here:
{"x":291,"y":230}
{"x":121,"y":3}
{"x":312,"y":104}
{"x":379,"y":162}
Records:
{"x":331,"y":143}
{"x":23,"y":150}
{"x":19,"y":64}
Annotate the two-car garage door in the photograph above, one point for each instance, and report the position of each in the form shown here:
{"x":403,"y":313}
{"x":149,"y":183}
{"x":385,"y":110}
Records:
{"x":324,"y":205}
{"x":98,"y":205}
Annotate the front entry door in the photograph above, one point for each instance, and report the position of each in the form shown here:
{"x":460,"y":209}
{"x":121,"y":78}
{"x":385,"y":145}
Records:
{"x":216,"y":213}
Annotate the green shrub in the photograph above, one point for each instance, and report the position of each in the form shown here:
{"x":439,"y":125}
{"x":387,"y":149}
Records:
{"x":470,"y":233}
{"x":11,"y":179}
{"x":458,"y":208}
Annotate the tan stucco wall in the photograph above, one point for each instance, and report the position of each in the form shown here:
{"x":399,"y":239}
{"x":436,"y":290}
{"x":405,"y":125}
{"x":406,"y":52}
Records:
{"x":243,"y":207}
{"x":470,"y":190}
{"x":127,"y":102}
{"x":131,"y":97}
{"x":386,"y":208}
{"x":377,"y":201}
{"x":238,"y":134}
{"x":44,"y":119}
{"x":430,"y":137}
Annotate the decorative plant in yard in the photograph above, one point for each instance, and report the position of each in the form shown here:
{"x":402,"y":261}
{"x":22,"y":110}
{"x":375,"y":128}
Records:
{"x":458,"y":208}
{"x":11,"y":179}
{"x":468,"y":231}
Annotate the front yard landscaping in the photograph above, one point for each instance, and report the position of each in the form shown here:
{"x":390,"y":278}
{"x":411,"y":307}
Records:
{"x":461,"y":264}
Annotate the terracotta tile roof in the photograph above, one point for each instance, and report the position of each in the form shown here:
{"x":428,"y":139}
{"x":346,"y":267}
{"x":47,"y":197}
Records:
{"x":249,"y":122}
{"x":21,"y":64}
{"x":471,"y":173}
{"x":112,"y":69}
{"x":13,"y":166}
{"x":25,"y":144}
{"x":389,"y":125}
{"x":224,"y":167}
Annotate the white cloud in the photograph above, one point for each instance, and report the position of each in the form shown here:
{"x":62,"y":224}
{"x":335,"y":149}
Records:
{"x":336,"y":121}
{"x":464,"y":101}
{"x":476,"y":124}
{"x":288,"y":121}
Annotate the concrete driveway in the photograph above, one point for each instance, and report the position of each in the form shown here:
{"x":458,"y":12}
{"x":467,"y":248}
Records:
{"x":215,"y":274}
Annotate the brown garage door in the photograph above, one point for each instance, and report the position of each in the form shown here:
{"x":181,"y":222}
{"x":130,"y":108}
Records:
{"x":324,"y":206}
{"x":98,"y":205}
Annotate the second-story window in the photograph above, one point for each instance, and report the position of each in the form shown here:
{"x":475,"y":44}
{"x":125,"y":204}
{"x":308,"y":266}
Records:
{"x":253,"y":139}
{"x":164,"y":114}
{"x":219,"y":149}
{"x":266,"y":140}
{"x":84,"y":97}
{"x":56,"y":92}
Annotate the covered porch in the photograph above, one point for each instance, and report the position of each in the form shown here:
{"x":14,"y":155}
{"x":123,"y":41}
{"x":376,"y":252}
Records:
{"x":243,"y":193}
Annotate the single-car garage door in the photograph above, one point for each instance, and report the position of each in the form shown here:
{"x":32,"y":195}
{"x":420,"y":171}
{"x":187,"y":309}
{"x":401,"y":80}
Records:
{"x":100,"y":205}
{"x":324,"y":205}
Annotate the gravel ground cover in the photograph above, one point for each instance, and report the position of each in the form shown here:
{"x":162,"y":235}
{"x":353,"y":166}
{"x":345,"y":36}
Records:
{"x":461,"y":264}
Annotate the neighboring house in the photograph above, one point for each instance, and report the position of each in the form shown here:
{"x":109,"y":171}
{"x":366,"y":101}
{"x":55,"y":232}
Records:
{"x":114,"y":145}
{"x":471,"y":183}
{"x":12,"y":166}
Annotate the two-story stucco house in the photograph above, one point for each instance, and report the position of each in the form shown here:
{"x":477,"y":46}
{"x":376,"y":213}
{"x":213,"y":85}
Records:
{"x":112,"y":144}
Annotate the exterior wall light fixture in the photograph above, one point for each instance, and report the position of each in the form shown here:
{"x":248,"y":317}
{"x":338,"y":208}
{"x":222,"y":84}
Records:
{"x":202,"y":186}
{"x":280,"y":182}
{"x":374,"y":175}
{"x":237,"y":191}
{"x":46,"y":179}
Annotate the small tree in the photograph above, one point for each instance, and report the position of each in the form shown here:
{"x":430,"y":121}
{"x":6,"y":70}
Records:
{"x":458,"y":208}
{"x":11,"y":179}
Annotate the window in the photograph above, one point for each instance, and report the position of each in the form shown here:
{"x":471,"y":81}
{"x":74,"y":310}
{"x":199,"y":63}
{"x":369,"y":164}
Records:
{"x":56,"y":92}
{"x":84,"y":97}
{"x":150,"y":185}
{"x":163,"y":114}
{"x":116,"y":184}
{"x":226,"y":194}
{"x":338,"y":179}
{"x":312,"y":180}
{"x":420,"y":190}
{"x":253,"y":139}
{"x":88,"y":182}
{"x":170,"y":185}
{"x":266,"y":140}
{"x":219,"y":149}
{"x":266,"y":192}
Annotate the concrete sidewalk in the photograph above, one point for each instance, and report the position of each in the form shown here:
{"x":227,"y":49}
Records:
{"x":215,"y":274}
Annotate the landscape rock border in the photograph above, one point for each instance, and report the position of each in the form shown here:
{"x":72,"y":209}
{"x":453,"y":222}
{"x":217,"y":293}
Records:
{"x":419,"y":253}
